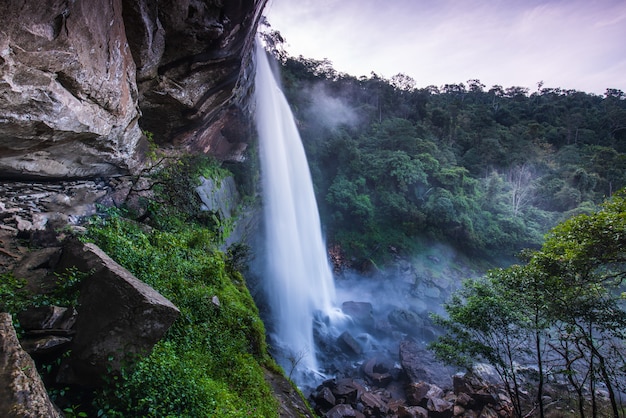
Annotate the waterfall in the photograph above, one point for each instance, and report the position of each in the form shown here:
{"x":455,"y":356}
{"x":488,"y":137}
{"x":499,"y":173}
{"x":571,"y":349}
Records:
{"x":298,"y":279}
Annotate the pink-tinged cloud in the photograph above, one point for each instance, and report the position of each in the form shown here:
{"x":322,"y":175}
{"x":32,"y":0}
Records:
{"x":572,"y":44}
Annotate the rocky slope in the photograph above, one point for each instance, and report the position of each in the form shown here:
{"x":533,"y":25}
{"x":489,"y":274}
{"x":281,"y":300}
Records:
{"x":83,"y":85}
{"x":79,"y":81}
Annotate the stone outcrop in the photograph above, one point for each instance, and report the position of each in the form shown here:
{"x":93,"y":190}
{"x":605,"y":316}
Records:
{"x":79,"y":80}
{"x":22,"y":393}
{"x":119,"y":317}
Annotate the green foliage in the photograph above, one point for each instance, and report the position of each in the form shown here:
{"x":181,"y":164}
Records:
{"x":211,"y":361}
{"x":14,"y":297}
{"x":175,"y":198}
{"x":422,"y":162}
{"x":566,"y":304}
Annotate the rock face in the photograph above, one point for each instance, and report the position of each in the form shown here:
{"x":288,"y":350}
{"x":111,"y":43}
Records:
{"x":22,"y":393}
{"x":193,"y":70}
{"x":78,"y":79}
{"x":68,"y":95}
{"x":119,"y":317}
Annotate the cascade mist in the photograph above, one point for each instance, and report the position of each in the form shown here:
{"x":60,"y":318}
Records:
{"x":298,"y":278}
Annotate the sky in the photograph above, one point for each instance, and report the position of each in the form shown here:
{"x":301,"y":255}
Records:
{"x":569,"y":44}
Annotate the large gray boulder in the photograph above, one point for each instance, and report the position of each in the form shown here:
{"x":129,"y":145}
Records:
{"x":120,"y":318}
{"x":22,"y":393}
{"x":420,"y":365}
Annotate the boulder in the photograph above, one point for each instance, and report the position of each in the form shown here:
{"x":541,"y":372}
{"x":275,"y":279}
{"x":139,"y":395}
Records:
{"x":324,"y":398}
{"x":362,"y":313}
{"x":440,"y":408}
{"x":119,"y":317}
{"x":341,"y":411}
{"x":22,"y":393}
{"x":349,"y":344}
{"x":419,"y":364}
{"x":45,"y":344}
{"x":377,"y":373}
{"x":47,"y":318}
{"x":347,"y":391}
{"x":374,"y":405}
{"x":406,"y":320}
{"x":416,"y":393}
{"x":412,"y":412}
{"x":48,"y":329}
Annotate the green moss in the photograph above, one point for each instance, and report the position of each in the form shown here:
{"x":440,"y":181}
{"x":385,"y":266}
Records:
{"x":211,"y":361}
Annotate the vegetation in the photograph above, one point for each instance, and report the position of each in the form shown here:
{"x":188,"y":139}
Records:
{"x":487,"y":170}
{"x":490,"y":172}
{"x":563,"y":310}
{"x":211,"y":362}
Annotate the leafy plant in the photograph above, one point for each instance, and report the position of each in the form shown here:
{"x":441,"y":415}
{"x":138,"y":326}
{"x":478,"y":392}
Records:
{"x":211,"y":360}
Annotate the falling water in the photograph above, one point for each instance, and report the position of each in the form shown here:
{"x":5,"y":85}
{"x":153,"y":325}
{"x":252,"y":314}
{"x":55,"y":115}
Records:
{"x":299,"y":280}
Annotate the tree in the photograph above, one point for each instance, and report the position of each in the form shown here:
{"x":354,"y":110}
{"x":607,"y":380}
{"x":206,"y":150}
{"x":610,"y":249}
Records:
{"x":567,"y":298}
{"x":521,"y":181}
{"x":585,"y":258}
{"x":485,"y":324}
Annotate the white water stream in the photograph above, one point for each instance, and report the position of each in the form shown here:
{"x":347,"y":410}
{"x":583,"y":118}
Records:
{"x":298,"y":280}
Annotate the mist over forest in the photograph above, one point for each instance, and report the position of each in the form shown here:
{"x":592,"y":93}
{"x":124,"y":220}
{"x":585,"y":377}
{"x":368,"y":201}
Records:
{"x":486,"y":170}
{"x":490,"y":219}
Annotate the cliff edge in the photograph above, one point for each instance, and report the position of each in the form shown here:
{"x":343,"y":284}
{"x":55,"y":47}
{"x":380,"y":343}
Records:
{"x":81,"y":81}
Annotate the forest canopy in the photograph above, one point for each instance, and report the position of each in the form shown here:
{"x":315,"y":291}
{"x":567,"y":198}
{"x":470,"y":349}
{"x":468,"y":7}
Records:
{"x":489,"y":171}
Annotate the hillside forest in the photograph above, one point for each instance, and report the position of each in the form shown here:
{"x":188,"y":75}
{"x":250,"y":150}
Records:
{"x":487,"y":170}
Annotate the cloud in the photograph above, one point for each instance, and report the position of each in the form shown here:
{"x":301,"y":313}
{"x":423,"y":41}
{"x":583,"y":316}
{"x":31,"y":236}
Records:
{"x":570,"y":44}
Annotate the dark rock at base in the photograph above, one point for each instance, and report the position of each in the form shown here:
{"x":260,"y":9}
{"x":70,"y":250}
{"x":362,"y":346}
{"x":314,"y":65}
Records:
{"x":416,"y":393}
{"x":22,"y":393}
{"x":377,"y":373}
{"x":45,"y":344}
{"x":440,"y":408}
{"x":347,"y":342}
{"x":341,"y":411}
{"x":324,"y":398}
{"x":47,"y":318}
{"x":374,"y":405}
{"x":420,"y":365}
{"x":406,"y":320}
{"x":362,"y":313}
{"x":412,"y":412}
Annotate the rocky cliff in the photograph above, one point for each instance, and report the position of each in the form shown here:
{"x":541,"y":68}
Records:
{"x":81,"y":80}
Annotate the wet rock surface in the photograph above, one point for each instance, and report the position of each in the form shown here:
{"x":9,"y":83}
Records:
{"x":354,"y":397}
{"x":379,"y":359}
